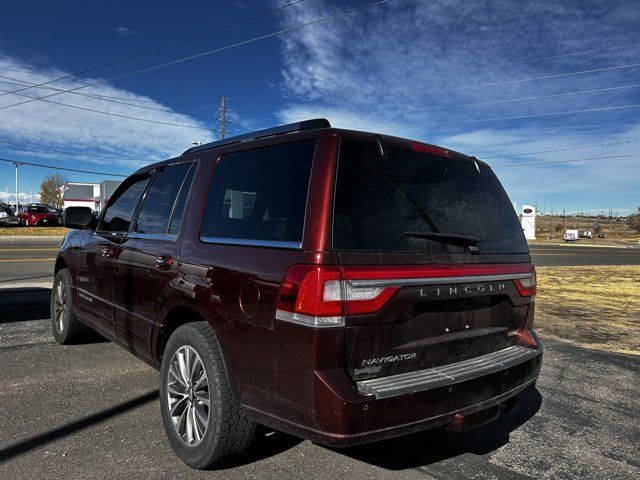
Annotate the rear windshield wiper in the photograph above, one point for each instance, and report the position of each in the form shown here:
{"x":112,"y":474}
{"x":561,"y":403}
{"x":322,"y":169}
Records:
{"x":445,"y":237}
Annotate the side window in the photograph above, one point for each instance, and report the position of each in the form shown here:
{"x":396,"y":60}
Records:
{"x":260,"y":194}
{"x":178,"y":209}
{"x":117,"y":218}
{"x":155,"y":214}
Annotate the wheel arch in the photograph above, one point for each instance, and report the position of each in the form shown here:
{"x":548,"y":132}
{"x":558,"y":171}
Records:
{"x":173,"y":319}
{"x":60,"y":264}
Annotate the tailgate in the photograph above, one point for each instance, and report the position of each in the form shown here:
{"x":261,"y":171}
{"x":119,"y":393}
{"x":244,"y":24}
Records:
{"x":435,"y":315}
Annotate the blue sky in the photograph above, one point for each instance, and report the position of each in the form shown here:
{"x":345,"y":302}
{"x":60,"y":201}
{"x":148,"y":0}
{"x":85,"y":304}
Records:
{"x":466,"y":75}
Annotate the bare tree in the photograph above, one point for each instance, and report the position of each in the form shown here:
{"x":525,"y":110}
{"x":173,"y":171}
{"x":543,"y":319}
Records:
{"x":634,"y":221}
{"x":52,"y":189}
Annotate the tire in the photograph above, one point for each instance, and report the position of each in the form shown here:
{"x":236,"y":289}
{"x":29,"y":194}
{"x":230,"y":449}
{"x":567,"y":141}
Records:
{"x":66,"y":327}
{"x":227,"y":433}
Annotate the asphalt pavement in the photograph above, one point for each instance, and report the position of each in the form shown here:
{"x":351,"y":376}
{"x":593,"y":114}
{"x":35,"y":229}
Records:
{"x":91,"y":411}
{"x":582,"y":254}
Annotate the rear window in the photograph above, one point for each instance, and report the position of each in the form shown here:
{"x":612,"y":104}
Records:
{"x":378,"y":201}
{"x":38,"y":210}
{"x":259,"y":195}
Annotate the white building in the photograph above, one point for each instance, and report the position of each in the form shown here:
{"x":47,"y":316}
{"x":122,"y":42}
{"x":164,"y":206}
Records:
{"x":92,"y":195}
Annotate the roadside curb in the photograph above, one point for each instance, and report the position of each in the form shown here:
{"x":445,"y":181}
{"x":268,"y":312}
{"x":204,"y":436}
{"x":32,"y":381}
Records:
{"x":31,"y":238}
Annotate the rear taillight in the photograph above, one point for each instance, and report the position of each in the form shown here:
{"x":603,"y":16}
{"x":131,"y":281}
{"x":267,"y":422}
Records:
{"x":321,"y":296}
{"x":527,"y":286}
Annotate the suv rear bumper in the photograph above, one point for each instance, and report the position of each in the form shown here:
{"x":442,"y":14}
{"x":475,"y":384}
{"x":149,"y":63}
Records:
{"x":343,"y":416}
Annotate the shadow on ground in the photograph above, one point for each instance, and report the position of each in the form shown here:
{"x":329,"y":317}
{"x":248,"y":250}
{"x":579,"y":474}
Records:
{"x":433,"y":446}
{"x":23,"y":304}
{"x":36,"y":441}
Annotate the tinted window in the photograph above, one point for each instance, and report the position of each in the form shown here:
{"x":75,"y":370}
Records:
{"x":155,"y":213}
{"x":260,"y":194}
{"x":178,"y":210}
{"x":38,"y":210}
{"x":379,"y":200}
{"x":118,"y":215}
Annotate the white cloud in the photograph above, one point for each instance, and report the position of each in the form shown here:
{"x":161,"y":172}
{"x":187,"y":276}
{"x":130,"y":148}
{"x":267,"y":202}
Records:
{"x":394,"y":68}
{"x":125,"y":31}
{"x":10,"y":197}
{"x":58,"y":127}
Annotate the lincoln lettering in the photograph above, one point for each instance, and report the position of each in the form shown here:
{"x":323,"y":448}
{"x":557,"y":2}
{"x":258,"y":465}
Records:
{"x":460,"y":290}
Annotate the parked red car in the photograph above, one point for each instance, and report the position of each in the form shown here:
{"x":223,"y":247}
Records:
{"x":37,"y":215}
{"x":337,"y":285}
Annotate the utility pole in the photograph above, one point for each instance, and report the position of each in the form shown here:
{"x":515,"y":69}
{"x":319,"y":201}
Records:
{"x":223,"y":117}
{"x":17,"y":201}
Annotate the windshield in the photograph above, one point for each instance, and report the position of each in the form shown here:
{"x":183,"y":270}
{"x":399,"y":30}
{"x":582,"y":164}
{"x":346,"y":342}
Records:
{"x":393,"y":204}
{"x":38,"y":210}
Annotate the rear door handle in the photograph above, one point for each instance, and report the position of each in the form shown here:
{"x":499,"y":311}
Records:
{"x":164,"y":262}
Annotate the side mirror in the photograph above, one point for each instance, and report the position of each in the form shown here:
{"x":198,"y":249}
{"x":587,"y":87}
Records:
{"x":80,"y":218}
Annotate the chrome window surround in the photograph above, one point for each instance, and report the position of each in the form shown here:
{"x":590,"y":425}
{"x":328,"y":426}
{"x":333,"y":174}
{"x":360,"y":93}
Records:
{"x":252,"y":242}
{"x":309,"y":320}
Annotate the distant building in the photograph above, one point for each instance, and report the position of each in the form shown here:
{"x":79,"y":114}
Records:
{"x":92,"y":195}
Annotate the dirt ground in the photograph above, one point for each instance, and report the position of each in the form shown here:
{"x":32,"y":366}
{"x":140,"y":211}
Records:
{"x":595,"y":307}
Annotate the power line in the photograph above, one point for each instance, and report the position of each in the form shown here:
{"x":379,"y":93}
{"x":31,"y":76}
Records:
{"x":564,"y":149}
{"x":75,"y":154}
{"x":538,"y":97}
{"x":528,"y":79}
{"x":99,"y":97}
{"x":567,"y":161}
{"x":164,"y":47}
{"x":45,"y":99}
{"x":209,"y":52}
{"x":569,"y":112}
{"x":631,"y":45}
{"x":61,"y":168}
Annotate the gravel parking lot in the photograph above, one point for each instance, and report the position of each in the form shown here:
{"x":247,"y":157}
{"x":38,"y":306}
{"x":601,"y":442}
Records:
{"x":91,"y":411}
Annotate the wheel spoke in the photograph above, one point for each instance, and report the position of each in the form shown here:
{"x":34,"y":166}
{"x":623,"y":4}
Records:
{"x":196,"y":428}
{"x":182,"y":365}
{"x":189,"y":420}
{"x":203,"y":398}
{"x":176,"y":374}
{"x":179,"y":406}
{"x":195,"y":367}
{"x":201,"y":416}
{"x":177,"y":390}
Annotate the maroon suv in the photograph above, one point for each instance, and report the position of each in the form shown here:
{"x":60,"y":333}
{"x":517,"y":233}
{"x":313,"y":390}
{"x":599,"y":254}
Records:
{"x":338,"y":285}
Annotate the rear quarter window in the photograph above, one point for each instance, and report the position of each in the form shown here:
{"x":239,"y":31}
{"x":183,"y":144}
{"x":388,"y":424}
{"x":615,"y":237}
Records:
{"x":259,"y":196}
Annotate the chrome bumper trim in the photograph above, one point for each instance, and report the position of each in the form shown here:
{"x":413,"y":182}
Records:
{"x":436,"y":377}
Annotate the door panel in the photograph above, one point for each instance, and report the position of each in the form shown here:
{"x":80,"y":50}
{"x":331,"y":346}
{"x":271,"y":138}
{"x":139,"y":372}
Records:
{"x":141,"y":286}
{"x":149,"y":257}
{"x":95,"y":263}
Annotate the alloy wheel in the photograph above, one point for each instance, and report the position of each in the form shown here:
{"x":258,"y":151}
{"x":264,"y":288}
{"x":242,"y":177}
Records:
{"x":188,"y":396}
{"x":60,"y":305}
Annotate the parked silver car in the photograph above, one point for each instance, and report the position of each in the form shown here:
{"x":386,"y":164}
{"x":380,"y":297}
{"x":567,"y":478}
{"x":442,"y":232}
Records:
{"x":7,"y":217}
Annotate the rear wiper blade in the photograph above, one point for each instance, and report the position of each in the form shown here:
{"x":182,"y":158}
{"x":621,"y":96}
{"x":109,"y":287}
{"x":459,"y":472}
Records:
{"x":445,"y":237}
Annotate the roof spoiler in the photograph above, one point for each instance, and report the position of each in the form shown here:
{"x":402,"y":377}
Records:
{"x":312,"y":124}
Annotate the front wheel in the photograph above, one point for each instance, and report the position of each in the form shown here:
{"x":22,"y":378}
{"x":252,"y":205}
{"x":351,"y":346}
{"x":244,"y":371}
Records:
{"x":204,"y":423}
{"x":66,"y":327}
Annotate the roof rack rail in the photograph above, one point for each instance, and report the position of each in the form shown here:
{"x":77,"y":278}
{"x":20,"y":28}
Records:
{"x":312,"y":124}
